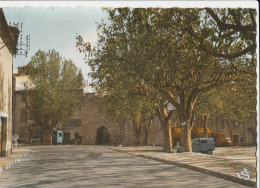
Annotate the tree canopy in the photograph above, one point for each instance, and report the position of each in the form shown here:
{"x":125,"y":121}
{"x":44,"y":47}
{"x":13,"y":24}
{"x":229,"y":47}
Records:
{"x":57,"y":90}
{"x":165,"y":55}
{"x":226,"y":32}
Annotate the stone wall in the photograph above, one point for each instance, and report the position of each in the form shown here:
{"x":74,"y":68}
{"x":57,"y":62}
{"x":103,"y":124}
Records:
{"x":244,"y":132}
{"x":6,"y":99}
{"x":21,"y":119}
{"x":93,"y":116}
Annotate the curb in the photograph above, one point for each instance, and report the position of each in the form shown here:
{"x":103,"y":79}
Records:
{"x":4,"y":168}
{"x":205,"y":171}
{"x":123,"y":151}
{"x":198,"y":169}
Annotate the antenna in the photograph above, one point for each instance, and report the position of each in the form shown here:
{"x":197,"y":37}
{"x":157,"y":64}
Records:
{"x":22,"y":47}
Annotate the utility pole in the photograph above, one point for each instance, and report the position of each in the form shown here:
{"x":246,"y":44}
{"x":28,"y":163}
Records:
{"x":22,"y":47}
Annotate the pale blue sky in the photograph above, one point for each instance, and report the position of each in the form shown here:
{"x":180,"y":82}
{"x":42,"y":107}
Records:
{"x":56,"y":28}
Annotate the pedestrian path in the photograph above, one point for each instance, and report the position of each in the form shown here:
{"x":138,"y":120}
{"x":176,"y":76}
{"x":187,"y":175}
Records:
{"x":226,"y":162}
{"x":18,"y":154}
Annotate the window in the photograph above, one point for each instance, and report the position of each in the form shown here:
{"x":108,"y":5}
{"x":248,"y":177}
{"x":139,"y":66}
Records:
{"x":196,"y":142}
{"x":204,"y":141}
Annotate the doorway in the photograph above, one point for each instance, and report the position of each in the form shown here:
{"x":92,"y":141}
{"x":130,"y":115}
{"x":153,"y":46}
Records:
{"x":67,"y":138}
{"x":102,"y":136}
{"x":236,"y":140}
{"x":3,"y":137}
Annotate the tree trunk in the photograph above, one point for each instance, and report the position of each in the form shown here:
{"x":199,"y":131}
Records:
{"x":147,"y":131}
{"x":47,"y":137}
{"x":192,"y":121}
{"x":186,"y":137}
{"x":138,"y":132}
{"x":141,"y":134}
{"x":167,"y":138}
{"x":185,"y":111}
{"x":165,"y":119}
{"x":205,"y":126}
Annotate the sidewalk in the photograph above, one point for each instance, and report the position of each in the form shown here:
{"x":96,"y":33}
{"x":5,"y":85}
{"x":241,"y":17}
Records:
{"x":18,"y":154}
{"x":225,"y":162}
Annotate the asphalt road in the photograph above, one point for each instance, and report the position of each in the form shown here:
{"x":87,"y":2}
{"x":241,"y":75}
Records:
{"x":97,"y":166}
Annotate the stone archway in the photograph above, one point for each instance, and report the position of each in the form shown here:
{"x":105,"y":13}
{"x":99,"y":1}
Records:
{"x":102,"y":136}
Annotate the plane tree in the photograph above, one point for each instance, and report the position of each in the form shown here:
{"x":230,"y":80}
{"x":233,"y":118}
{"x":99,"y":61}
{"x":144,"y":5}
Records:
{"x":234,"y":101}
{"x":225,"y":32}
{"x":208,"y":105}
{"x":229,"y":34}
{"x":116,"y":56}
{"x":239,"y":101}
{"x":160,"y":61}
{"x":130,"y":106}
{"x":122,"y":102}
{"x":56,"y":93}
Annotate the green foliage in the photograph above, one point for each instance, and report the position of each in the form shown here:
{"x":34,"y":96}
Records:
{"x":239,"y":99}
{"x":57,"y":90}
{"x":152,"y":53}
{"x":225,"y":32}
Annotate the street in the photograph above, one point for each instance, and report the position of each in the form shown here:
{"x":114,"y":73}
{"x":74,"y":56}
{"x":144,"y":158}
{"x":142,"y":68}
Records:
{"x":98,"y":166}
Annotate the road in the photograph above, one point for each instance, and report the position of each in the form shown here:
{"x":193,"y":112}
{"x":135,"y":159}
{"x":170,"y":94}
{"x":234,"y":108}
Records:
{"x":98,"y":166}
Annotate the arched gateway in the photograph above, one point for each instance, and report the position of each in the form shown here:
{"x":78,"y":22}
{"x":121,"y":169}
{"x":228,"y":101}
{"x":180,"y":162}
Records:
{"x":102,"y":136}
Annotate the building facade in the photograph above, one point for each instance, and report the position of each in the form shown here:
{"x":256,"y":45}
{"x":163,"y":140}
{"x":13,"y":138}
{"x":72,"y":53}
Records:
{"x":8,"y":42}
{"x":240,"y":132}
{"x":21,"y":120}
{"x":92,"y":124}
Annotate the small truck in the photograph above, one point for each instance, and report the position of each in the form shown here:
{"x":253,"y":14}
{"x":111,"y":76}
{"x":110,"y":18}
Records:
{"x":203,"y":145}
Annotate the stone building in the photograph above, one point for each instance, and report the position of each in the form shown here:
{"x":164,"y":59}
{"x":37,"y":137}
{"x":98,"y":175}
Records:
{"x":21,"y":120}
{"x":92,"y":125}
{"x":8,"y":42}
{"x":241,"y":132}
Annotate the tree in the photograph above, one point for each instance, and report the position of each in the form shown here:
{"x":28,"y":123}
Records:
{"x":227,"y":32}
{"x":57,"y":90}
{"x":239,"y":101}
{"x":121,"y":102}
{"x":207,"y":106}
{"x":234,"y":101}
{"x":112,"y":63}
{"x":160,"y":61}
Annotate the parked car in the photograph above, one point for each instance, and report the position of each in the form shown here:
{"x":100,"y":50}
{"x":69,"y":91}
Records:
{"x":220,"y":139}
{"x":228,"y":141}
{"x":203,"y":145}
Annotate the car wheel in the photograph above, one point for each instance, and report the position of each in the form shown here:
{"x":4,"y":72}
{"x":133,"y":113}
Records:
{"x":210,"y":152}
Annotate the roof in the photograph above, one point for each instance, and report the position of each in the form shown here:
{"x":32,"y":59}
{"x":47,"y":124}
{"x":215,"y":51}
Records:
{"x":9,"y":34}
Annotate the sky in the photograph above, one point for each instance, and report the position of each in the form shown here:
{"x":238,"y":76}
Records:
{"x":56,"y":25}
{"x":56,"y":28}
